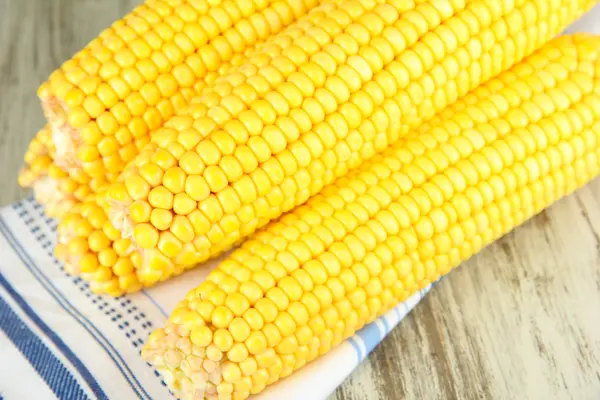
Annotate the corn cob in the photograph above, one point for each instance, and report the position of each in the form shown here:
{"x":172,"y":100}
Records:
{"x":103,"y":103}
{"x":316,"y":276}
{"x":318,"y":108}
{"x":52,"y":187}
{"x":79,"y":181}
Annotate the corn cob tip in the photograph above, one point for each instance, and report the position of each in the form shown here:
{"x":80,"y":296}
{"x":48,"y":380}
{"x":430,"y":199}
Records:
{"x":56,"y":202}
{"x":51,"y":185}
{"x":52,"y":188}
{"x":208,"y":375}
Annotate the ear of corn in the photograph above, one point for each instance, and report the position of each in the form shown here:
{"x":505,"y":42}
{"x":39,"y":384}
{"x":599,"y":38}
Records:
{"x":104,"y":102}
{"x":263,"y":140}
{"x":308,"y":281}
{"x":86,"y":176}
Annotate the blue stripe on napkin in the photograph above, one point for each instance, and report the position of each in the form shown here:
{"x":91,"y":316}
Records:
{"x":356,"y":346}
{"x":371,"y":335}
{"x":41,"y":358}
{"x":121,"y":311}
{"x":69,"y":308}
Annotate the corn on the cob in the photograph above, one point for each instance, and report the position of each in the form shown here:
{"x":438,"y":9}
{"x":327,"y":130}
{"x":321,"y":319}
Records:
{"x":52,"y":187}
{"x":103,"y":103}
{"x":277,"y":16}
{"x":258,"y":143}
{"x":90,"y":251}
{"x":79,"y":180}
{"x":311,"y":279}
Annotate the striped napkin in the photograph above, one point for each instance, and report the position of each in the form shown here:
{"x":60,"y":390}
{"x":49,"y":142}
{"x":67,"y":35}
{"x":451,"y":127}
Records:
{"x":59,"y":340}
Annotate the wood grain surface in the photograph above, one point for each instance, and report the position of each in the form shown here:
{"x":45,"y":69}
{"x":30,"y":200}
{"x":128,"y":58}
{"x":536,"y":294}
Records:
{"x":521,"y":320}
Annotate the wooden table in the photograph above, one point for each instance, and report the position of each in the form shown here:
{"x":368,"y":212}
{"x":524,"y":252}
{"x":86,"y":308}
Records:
{"x":519,"y":321}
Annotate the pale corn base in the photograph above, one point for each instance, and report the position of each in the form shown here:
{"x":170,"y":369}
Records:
{"x":47,"y":192}
{"x":66,"y":138}
{"x":173,"y":351}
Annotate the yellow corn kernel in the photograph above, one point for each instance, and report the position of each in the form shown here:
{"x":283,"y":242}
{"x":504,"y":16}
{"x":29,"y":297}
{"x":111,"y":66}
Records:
{"x":137,"y":187}
{"x":152,"y":173}
{"x":98,"y":241}
{"x":107,"y":257}
{"x":146,"y":236}
{"x":122,"y":247}
{"x":61,"y":252}
{"x":88,"y":263}
{"x":161,"y":219}
{"x":169,"y":245}
{"x":183,"y":204}
{"x":140,"y":211}
{"x":78,"y":247}
{"x":110,"y":231}
{"x":161,"y":197}
{"x":191,"y":163}
{"x":196,"y":187}
{"x":174,"y":180}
